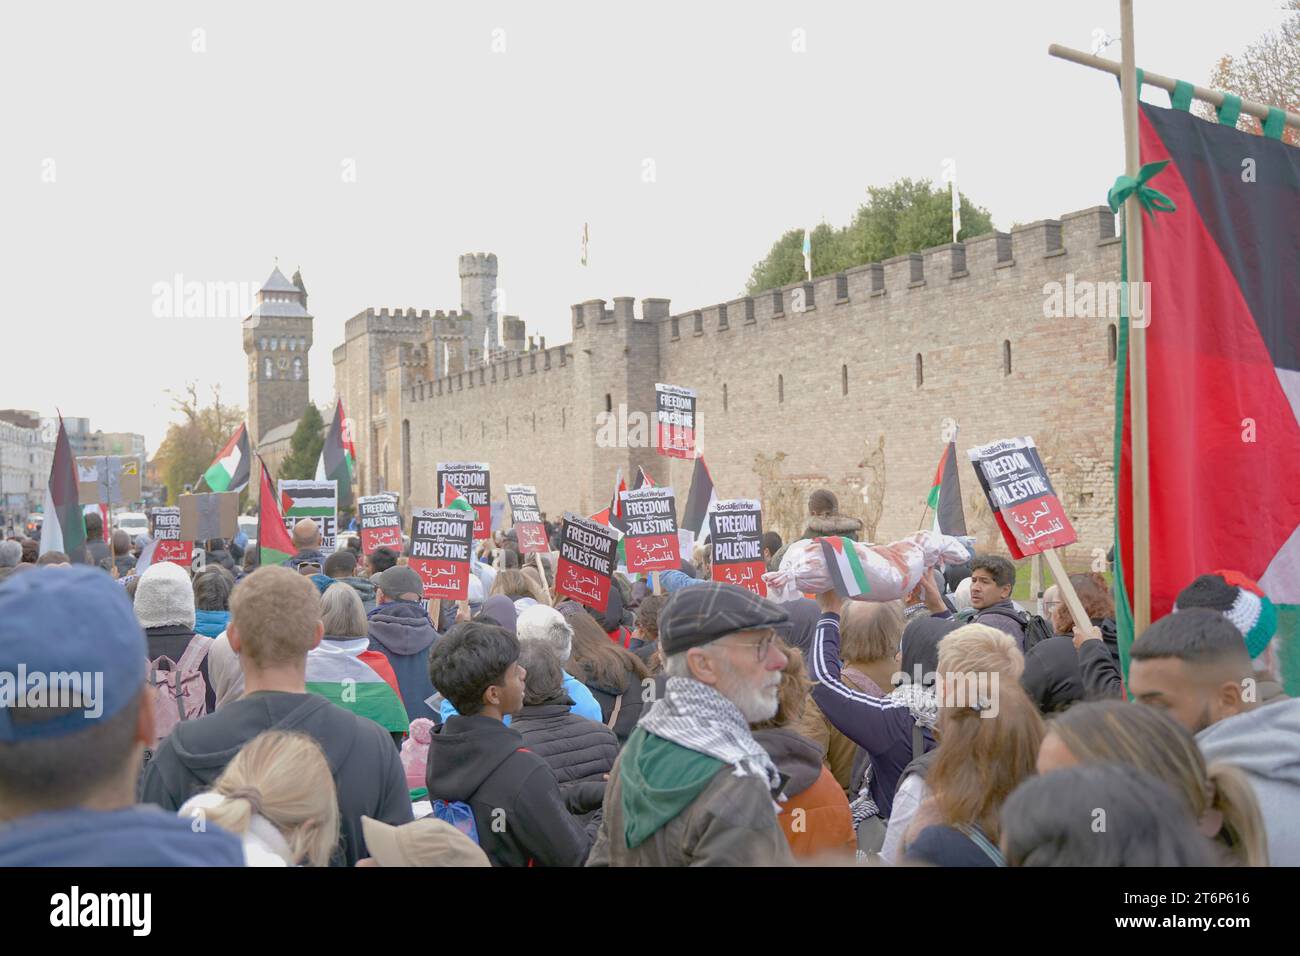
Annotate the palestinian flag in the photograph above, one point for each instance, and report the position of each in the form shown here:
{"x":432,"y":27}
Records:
{"x":64,"y":528}
{"x":341,"y":672}
{"x":338,"y":458}
{"x":273,"y":542}
{"x":307,"y":502}
{"x":700,"y":501}
{"x":845,"y":567}
{"x":1223,"y":370}
{"x":230,"y":472}
{"x":945,"y":494}
{"x":453,"y":499}
{"x":642,"y":480}
{"x":613,"y":516}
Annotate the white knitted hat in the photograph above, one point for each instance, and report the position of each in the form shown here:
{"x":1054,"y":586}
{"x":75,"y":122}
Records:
{"x":164,"y":596}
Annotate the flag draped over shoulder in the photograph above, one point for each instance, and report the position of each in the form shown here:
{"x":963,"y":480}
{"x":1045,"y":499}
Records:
{"x":338,"y":670}
{"x":1223,"y":369}
{"x":338,"y":458}
{"x":64,"y":527}
{"x":273,"y":539}
{"x":230,"y":471}
{"x":945,"y":494}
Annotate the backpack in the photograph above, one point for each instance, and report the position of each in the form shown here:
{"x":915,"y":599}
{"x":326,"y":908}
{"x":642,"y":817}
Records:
{"x":458,"y":814}
{"x":1033,"y":627}
{"x":178,"y":688}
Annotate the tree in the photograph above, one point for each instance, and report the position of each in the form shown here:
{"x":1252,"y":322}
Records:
{"x":304,"y":446}
{"x":905,"y":216}
{"x":191,"y":445}
{"x":1267,"y":72}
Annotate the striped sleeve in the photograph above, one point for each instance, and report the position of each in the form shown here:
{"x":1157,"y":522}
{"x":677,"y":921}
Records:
{"x":873,"y":723}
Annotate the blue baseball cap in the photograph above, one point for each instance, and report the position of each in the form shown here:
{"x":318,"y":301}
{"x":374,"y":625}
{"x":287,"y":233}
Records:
{"x":71,"y":652}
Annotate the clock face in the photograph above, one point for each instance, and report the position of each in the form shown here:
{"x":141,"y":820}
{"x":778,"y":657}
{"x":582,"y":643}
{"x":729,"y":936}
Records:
{"x":284,"y":364}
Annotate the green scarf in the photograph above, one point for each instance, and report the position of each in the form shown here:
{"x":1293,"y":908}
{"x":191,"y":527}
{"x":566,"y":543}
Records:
{"x":659,"y":780}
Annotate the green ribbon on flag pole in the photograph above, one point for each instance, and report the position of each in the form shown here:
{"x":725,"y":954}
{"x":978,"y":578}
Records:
{"x":1151,"y":199}
{"x":1276,"y":122}
{"x":1181,"y":97}
{"x":1230,"y":110}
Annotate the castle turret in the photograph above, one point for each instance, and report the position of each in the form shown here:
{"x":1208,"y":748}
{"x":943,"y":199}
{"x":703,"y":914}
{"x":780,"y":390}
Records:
{"x":277,"y":338}
{"x":478,"y":286}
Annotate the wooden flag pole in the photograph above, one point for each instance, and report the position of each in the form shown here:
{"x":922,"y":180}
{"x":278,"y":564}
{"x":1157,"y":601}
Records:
{"x":654,"y":582}
{"x":1036,"y":583}
{"x":541,"y":570}
{"x":1068,"y":594}
{"x":1137,"y":342}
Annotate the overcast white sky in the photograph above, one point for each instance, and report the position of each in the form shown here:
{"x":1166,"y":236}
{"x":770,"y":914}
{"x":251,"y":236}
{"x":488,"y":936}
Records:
{"x":211,"y":164}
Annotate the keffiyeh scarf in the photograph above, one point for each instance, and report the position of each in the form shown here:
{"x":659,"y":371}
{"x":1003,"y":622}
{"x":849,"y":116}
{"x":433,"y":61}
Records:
{"x":697,"y":717}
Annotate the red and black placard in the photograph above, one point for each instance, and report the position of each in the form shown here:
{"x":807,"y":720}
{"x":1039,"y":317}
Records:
{"x":736,"y":543}
{"x":586,"y":566}
{"x":473,"y":480}
{"x":167,"y":532}
{"x":650,"y":530}
{"x":441,"y":540}
{"x":381,"y":526}
{"x":675,"y":415}
{"x":1027,"y":510}
{"x":530,"y":533}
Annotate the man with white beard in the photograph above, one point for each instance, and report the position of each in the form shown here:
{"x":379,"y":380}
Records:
{"x":692,"y":787}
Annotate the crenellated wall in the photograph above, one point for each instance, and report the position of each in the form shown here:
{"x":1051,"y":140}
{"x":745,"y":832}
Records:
{"x":812,"y":384}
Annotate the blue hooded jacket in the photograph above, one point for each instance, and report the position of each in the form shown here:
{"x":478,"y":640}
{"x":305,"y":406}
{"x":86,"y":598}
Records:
{"x":402,"y":632}
{"x":132,"y":836}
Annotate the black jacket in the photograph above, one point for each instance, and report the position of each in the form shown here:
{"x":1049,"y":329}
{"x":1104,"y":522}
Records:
{"x":518,"y":809}
{"x":1056,"y":675}
{"x":402,"y":632}
{"x":580,"y":751}
{"x":367,"y":771}
{"x":629,"y":711}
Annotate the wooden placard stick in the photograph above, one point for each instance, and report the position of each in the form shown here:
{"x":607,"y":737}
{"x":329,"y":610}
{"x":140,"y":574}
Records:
{"x":1068,"y":594}
{"x":541,"y":570}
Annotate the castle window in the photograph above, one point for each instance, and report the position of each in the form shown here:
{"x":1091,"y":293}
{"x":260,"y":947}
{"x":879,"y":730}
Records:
{"x":724,"y":396}
{"x":534,"y":421}
{"x":1112,"y":344}
{"x":609,"y":403}
{"x":563,"y":416}
{"x":269,"y":368}
{"x":780,"y":389}
{"x":920,"y":371}
{"x":297,"y":368}
{"x":1006,"y":356}
{"x":262,"y":344}
{"x":844,"y":380}
{"x":507,"y":426}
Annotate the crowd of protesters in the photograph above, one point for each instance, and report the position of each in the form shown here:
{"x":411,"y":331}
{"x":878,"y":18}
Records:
{"x":322,"y":712}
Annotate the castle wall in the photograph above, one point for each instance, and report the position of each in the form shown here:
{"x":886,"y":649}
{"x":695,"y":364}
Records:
{"x":787,"y":425}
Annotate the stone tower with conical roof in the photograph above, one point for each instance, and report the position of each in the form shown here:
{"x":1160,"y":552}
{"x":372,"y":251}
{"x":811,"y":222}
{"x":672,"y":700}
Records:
{"x":277,"y":338}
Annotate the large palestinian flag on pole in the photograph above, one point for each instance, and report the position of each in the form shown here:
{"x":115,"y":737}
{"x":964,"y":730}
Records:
{"x":273,"y":541}
{"x":231,"y":470}
{"x":338,"y":458}
{"x":1223,"y":369}
{"x":64,"y":527}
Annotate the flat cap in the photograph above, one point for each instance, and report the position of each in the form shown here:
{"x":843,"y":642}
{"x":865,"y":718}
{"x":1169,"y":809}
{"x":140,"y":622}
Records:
{"x":697,"y":615}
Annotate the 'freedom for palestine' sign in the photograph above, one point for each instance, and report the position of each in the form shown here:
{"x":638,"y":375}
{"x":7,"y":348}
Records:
{"x":380,"y":525}
{"x":1027,"y":510}
{"x":586,"y":566}
{"x":650,"y":530}
{"x":441,"y":540}
{"x":675,"y":414}
{"x":736,"y":538}
{"x":530,"y":533}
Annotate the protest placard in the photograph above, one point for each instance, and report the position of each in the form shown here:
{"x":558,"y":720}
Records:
{"x":526,"y":514}
{"x":650,"y":530}
{"x":317,"y":500}
{"x":1026,"y":508}
{"x":441,"y":539}
{"x":381,"y":526}
{"x":586,"y":566}
{"x":209,"y":515}
{"x":736,"y":540}
{"x":1020,"y":495}
{"x":675,"y":414}
{"x":165,"y":528}
{"x":108,"y":480}
{"x":473,"y":480}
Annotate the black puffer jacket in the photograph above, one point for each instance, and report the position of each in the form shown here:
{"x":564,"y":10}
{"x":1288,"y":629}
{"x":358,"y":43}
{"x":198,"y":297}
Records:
{"x":629,"y":710}
{"x":580,"y":751}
